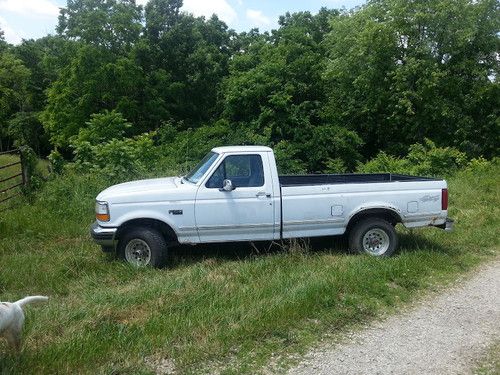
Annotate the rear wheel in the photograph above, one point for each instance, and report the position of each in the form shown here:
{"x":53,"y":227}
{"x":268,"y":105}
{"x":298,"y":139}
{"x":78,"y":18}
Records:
{"x":143,"y":247}
{"x":373,"y":236}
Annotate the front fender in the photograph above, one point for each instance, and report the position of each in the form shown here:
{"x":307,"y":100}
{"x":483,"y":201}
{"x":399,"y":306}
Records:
{"x":145,"y":214}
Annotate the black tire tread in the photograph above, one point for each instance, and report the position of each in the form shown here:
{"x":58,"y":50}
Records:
{"x":360,"y":228}
{"x":155,"y":240}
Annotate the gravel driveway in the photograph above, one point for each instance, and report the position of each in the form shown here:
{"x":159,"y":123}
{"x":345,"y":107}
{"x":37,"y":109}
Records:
{"x":443,"y":334}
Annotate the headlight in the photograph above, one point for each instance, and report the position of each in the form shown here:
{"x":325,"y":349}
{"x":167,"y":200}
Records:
{"x":101,"y":211}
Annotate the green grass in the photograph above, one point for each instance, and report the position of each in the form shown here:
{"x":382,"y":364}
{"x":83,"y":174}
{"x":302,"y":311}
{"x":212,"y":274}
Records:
{"x":8,"y":172}
{"x":231,"y":307}
{"x":41,"y":169}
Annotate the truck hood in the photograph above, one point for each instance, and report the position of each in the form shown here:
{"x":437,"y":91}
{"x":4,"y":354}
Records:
{"x":141,"y":190}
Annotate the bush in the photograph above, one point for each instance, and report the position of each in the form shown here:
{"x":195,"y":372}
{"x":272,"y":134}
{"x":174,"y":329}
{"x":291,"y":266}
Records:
{"x":385,"y":163}
{"x":481,"y":165}
{"x":56,"y":162}
{"x":422,"y":159}
{"x":33,"y":174}
{"x":102,"y":127}
{"x":101,"y":148}
{"x":118,"y":157}
{"x":428,"y":159}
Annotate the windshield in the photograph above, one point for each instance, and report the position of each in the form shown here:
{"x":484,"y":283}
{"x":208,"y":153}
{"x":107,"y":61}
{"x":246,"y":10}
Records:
{"x":198,"y":172}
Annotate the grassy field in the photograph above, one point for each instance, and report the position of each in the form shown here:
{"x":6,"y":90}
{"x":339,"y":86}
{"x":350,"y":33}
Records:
{"x":229,"y":308}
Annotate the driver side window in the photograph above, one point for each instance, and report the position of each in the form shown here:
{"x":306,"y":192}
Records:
{"x":242,"y":170}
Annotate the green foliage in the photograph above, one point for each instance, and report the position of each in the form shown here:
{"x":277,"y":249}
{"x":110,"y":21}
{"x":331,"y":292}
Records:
{"x":481,"y":165}
{"x":13,"y":88}
{"x":56,"y":162}
{"x":346,"y":84}
{"x":287,"y":159}
{"x":435,"y":161}
{"x":400,"y":71}
{"x":102,"y":147}
{"x":384,"y":162}
{"x":112,"y":24}
{"x":102,"y":127}
{"x":44,"y":58}
{"x":117,"y":157}
{"x":3,"y":43}
{"x":94,"y":81}
{"x":26,"y":129}
{"x":276,"y":89}
{"x":34,"y":178}
{"x":422,"y":159}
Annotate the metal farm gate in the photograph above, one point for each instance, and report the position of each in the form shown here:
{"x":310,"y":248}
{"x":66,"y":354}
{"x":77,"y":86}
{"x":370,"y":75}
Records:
{"x":13,"y":175}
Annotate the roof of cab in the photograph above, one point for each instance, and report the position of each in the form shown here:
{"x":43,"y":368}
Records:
{"x":225,"y":149}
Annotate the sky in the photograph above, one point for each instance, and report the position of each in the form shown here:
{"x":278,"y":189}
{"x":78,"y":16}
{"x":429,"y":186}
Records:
{"x":27,"y":19}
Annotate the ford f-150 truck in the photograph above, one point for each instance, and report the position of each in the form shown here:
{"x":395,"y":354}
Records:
{"x":236,"y":194}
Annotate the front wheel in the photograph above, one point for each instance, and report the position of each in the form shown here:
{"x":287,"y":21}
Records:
{"x":143,"y":247}
{"x":373,"y":236}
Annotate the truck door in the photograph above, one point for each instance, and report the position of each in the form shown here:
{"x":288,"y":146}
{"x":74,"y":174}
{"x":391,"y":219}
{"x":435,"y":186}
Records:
{"x":245,"y":213}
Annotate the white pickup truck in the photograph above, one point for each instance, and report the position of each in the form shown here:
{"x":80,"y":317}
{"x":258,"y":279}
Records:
{"x":236,"y":194}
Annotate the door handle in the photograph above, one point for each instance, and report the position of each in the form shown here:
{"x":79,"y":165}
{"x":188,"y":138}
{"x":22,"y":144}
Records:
{"x":263,"y":194}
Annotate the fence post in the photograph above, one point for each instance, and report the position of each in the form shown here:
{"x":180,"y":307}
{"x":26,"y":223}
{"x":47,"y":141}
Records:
{"x":25,"y":154}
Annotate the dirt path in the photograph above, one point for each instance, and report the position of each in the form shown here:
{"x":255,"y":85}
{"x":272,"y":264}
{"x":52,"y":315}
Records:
{"x":443,"y":334}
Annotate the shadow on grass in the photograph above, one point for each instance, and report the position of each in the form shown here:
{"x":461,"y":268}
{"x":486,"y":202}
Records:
{"x":411,"y":241}
{"x":233,"y":251}
{"x":185,"y":255}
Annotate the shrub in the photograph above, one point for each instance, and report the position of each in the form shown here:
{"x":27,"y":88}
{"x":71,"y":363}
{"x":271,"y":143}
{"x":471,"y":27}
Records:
{"x":118,"y":157}
{"x":428,"y":159}
{"x":30,"y":161}
{"x":102,"y":127}
{"x":56,"y":162}
{"x":102,"y":148}
{"x":481,"y":164}
{"x":422,"y":159}
{"x":385,"y":163}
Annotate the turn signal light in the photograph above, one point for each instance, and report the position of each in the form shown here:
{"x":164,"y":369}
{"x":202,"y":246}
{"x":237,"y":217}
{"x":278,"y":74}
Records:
{"x":101,"y":211}
{"x":102,"y":217}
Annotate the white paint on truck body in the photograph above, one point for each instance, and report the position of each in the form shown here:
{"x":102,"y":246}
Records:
{"x":263,"y":209}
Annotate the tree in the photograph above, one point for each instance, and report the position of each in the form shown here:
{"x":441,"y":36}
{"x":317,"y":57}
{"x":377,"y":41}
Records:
{"x":194,"y":53}
{"x":112,"y":24}
{"x":95,"y":80}
{"x":13,"y":87}
{"x":402,"y":70}
{"x":276,"y":89}
{"x":3,"y":43}
{"x":161,"y":16}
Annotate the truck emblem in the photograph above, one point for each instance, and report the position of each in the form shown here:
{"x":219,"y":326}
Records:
{"x":175,"y":212}
{"x":428,"y":198}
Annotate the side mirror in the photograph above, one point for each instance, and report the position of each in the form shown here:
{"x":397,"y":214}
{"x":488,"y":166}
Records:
{"x":227,"y":185}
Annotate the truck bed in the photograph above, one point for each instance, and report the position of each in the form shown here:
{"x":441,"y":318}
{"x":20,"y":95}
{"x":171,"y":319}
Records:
{"x":348,"y":178}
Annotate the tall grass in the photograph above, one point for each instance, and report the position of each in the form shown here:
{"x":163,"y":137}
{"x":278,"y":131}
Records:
{"x":228,"y":308}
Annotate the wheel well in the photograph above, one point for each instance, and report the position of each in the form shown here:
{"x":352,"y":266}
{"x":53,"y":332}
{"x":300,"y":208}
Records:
{"x":383,"y":213}
{"x":165,"y":229}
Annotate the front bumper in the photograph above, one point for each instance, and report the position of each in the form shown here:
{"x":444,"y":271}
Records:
{"x":103,"y":236}
{"x":447,"y":225}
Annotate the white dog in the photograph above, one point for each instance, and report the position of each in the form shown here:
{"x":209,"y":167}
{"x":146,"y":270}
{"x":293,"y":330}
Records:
{"x":12,"y":319}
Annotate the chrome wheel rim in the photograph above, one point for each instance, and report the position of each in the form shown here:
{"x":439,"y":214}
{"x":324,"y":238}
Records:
{"x":138,"y":252}
{"x":376,"y":241}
